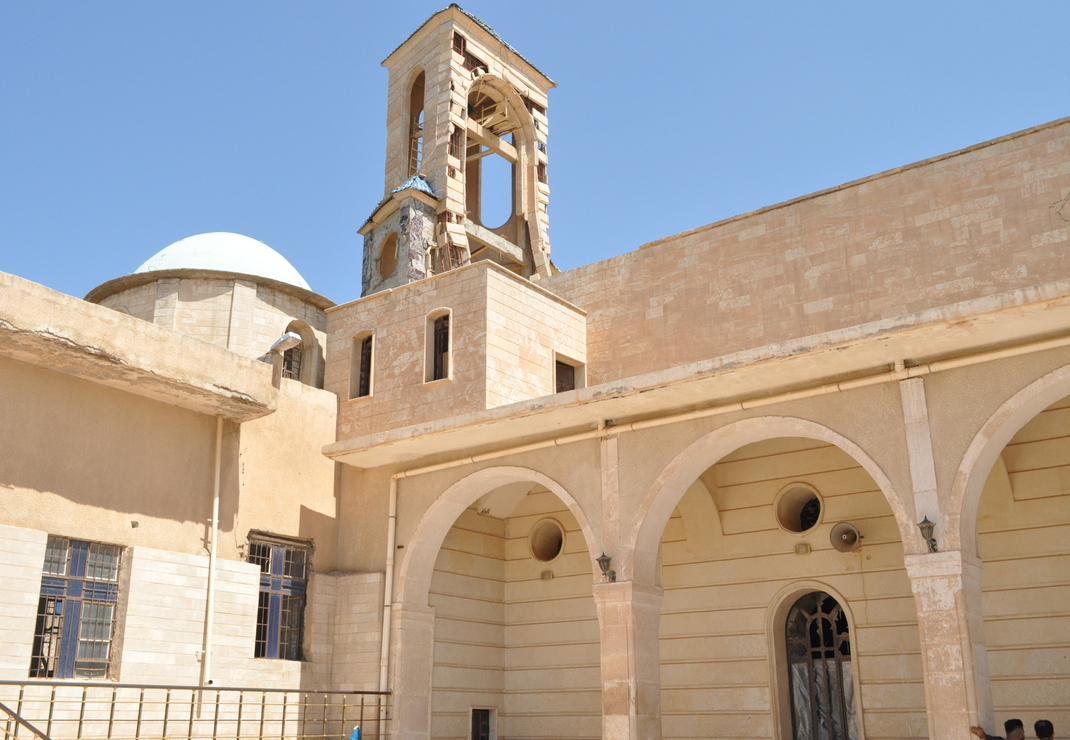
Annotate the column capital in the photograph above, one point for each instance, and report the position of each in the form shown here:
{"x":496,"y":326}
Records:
{"x":620,"y":591}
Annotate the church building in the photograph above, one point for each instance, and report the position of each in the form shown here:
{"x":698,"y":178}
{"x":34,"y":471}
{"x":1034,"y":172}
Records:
{"x":800,"y":474}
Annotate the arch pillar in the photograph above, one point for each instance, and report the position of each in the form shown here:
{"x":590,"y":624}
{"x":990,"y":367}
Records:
{"x":414,"y":645}
{"x":947,"y":595}
{"x":628,"y":618}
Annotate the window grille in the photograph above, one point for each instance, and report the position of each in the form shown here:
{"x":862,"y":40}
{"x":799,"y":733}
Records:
{"x":281,"y":608}
{"x":291,"y":363}
{"x":480,"y":724}
{"x":566,"y":377}
{"x":820,"y":675}
{"x":460,"y":43}
{"x":364,"y":387}
{"x":441,"y":348}
{"x":76,"y":610}
{"x":457,"y":143}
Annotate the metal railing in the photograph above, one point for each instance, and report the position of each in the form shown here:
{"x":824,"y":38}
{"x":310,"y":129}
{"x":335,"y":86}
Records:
{"x":13,"y":722}
{"x":63,"y":710}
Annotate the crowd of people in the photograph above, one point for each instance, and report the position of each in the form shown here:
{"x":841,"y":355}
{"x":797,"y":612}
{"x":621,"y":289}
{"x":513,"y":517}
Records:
{"x":1016,"y":730}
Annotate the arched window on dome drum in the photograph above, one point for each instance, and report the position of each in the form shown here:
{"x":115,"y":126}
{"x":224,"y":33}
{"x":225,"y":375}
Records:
{"x":820,"y":673}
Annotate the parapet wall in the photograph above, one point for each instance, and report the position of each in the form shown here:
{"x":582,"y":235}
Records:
{"x":962,"y":226}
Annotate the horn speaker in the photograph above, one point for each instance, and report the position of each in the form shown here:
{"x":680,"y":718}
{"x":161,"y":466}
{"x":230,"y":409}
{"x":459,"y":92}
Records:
{"x":845,"y":537}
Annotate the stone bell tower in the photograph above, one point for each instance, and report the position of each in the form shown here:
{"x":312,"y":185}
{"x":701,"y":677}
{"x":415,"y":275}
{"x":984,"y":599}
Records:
{"x":460,"y":102}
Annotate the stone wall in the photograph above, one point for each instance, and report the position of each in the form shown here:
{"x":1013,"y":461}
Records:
{"x":507,"y":639}
{"x":1023,"y":534}
{"x":726,"y":563}
{"x":950,"y":229}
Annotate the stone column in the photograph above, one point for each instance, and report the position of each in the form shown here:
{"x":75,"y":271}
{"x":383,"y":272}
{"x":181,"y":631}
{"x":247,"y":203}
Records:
{"x":413,"y":648}
{"x":947,"y":593}
{"x":628,"y":616}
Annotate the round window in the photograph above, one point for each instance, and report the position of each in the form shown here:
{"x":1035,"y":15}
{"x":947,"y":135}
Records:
{"x":388,"y":256}
{"x":546,"y":540}
{"x":798,"y":508}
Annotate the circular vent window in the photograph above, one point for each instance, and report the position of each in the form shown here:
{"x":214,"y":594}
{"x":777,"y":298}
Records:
{"x":798,"y":508}
{"x":546,"y":540}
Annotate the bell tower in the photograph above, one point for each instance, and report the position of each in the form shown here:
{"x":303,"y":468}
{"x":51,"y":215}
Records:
{"x":462,"y":107}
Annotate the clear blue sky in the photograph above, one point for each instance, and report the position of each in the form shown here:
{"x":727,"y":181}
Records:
{"x":125,"y":126}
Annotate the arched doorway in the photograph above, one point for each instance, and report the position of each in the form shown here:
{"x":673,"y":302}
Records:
{"x":753,"y":530}
{"x":516,"y":638}
{"x":1023,"y":542}
{"x":820,"y":674}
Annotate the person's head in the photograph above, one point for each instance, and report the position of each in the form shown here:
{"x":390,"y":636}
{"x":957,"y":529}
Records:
{"x":1014,"y":729}
{"x":1044,"y":729}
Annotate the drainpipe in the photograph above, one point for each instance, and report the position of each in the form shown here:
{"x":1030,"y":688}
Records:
{"x":209,"y":615}
{"x":388,"y":598}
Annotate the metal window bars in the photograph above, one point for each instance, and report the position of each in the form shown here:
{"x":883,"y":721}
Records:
{"x":64,"y":710}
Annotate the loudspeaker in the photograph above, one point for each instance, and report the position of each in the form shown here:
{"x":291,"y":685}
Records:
{"x":845,"y":537}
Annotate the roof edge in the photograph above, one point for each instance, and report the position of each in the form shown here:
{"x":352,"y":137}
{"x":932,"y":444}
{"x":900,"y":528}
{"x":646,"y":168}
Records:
{"x":483,"y":26}
{"x":134,"y":279}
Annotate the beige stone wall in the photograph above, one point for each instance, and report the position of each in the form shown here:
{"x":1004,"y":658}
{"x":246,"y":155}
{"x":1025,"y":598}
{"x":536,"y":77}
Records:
{"x":357,"y":614}
{"x":22,"y":554}
{"x":504,"y":332}
{"x":400,"y":397}
{"x":241,"y":315}
{"x":508,"y":640}
{"x":725,"y":563}
{"x":1023,"y":533}
{"x":467,"y":592}
{"x":525,"y":328}
{"x":951,"y":229}
{"x":552,"y":655}
{"x":139,"y":301}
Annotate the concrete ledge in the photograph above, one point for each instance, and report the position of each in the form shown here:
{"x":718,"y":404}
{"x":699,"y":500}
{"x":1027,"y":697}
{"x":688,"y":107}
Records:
{"x":971,"y":326}
{"x":43,"y":327}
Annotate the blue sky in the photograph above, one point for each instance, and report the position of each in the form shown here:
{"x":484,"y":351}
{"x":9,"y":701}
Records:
{"x":125,"y":126}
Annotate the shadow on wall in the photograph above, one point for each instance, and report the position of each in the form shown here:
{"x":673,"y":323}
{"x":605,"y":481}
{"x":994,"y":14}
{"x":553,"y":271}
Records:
{"x":71,"y":446}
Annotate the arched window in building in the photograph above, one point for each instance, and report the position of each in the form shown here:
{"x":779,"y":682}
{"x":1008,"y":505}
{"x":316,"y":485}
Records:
{"x":416,"y":124}
{"x":299,"y":363}
{"x":438,"y":344}
{"x":820,"y":676}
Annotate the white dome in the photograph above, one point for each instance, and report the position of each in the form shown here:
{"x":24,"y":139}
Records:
{"x":225,"y":252}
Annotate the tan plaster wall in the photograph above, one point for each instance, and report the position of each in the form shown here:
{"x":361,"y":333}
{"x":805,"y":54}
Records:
{"x":83,"y":460}
{"x":287,"y":486}
{"x":952,"y":229}
{"x":22,"y":555}
{"x":88,"y":461}
{"x":1023,"y":533}
{"x":505,"y":638}
{"x":724,"y":562}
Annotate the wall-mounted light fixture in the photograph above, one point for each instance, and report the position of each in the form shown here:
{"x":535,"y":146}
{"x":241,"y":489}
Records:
{"x":603,"y":562}
{"x":927,"y":528}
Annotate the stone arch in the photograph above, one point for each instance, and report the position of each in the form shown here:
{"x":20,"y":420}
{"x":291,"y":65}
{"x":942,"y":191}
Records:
{"x":417,"y":566}
{"x":1017,"y":411}
{"x":639,"y":562}
{"x":778,"y":660}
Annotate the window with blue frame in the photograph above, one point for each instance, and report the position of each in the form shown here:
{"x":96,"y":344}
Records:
{"x":76,"y":611}
{"x":280,"y":615}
